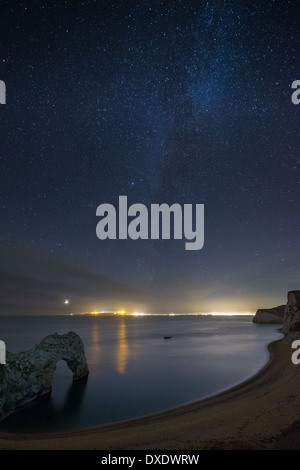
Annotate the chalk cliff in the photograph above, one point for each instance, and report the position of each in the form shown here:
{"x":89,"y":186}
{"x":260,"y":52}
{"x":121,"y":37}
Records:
{"x":28,"y":375}
{"x":291,"y":319}
{"x":269,"y":315}
{"x":288,"y":315}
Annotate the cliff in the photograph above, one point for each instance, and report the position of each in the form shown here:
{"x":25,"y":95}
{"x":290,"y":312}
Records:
{"x":270,"y":315}
{"x":288,"y":315}
{"x":291,"y":319}
{"x":28,"y":375}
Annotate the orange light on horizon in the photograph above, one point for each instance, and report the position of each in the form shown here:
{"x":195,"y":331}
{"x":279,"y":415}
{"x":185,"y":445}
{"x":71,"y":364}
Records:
{"x":230,"y":314}
{"x":141,"y":314}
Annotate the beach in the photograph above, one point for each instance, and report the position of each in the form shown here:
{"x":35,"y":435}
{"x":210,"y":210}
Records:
{"x":260,"y":413}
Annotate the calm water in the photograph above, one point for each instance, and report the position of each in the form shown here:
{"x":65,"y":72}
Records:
{"x":134,"y":371}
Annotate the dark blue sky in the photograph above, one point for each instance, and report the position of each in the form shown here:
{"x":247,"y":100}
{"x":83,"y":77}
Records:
{"x":186,"y":102}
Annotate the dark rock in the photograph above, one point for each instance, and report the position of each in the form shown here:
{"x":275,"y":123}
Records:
{"x":291,"y":320}
{"x":28,"y":375}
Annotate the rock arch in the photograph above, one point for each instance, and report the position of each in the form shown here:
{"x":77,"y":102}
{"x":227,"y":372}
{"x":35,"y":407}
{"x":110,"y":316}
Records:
{"x":28,"y":375}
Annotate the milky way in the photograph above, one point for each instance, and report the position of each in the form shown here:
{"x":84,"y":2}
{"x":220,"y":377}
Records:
{"x":164,"y":102}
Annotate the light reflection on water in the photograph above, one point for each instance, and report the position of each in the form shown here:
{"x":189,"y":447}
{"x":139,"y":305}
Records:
{"x":134,"y":371}
{"x":122,"y":348}
{"x":95,"y":350}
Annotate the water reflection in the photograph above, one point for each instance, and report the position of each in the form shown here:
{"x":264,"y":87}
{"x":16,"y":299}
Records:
{"x":74,"y":399}
{"x":94,"y":354}
{"x":122,"y":349}
{"x":161,"y":374}
{"x":44,"y":413}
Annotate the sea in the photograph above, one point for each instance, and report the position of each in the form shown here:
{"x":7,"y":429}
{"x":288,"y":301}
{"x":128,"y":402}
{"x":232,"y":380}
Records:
{"x":134,"y":369}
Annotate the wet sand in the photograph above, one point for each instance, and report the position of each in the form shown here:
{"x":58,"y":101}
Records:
{"x":261,"y":413}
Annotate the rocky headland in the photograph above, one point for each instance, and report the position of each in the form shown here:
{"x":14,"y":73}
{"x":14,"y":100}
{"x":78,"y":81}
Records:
{"x":291,"y":319}
{"x":288,"y":315}
{"x":269,"y":315}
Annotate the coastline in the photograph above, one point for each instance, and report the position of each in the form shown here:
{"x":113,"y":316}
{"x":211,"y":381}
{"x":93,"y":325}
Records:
{"x":259,"y":413}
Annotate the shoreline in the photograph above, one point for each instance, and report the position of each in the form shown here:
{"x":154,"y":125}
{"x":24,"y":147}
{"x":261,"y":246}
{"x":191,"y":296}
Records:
{"x":258,"y":413}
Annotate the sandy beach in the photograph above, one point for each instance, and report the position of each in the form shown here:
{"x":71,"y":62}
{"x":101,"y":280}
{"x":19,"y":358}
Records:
{"x":260,"y":413}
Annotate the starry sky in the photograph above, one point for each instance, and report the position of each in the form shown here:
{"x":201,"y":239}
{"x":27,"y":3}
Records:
{"x":183,"y":102}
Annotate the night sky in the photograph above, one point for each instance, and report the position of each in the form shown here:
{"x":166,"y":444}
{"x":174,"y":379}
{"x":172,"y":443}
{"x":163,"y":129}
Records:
{"x":183,"y":102}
